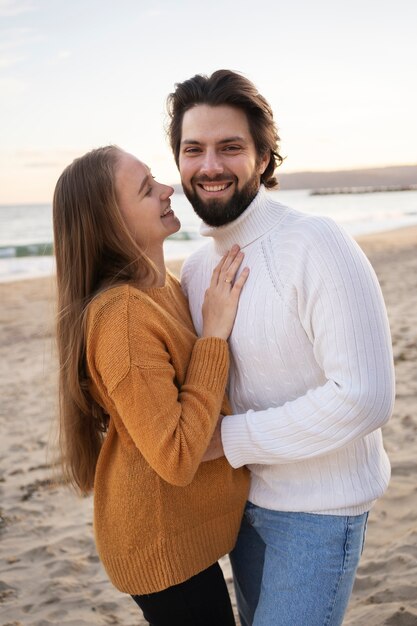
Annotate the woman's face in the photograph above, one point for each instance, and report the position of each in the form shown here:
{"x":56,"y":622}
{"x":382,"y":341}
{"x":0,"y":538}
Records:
{"x":144,"y":203}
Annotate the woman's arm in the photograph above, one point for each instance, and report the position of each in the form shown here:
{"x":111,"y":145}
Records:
{"x":170,"y":424}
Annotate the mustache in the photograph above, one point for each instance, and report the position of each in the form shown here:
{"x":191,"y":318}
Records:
{"x":219,"y":178}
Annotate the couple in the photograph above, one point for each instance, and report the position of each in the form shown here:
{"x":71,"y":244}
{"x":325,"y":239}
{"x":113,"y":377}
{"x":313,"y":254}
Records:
{"x":282,"y":479}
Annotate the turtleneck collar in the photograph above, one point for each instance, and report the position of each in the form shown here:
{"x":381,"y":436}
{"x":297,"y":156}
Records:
{"x":261,"y":215}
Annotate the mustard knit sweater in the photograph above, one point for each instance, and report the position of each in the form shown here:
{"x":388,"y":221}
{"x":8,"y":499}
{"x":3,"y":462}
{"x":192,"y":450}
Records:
{"x":159,"y":516}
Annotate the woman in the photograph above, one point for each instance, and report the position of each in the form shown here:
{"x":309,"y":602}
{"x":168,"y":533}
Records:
{"x":140,"y":395}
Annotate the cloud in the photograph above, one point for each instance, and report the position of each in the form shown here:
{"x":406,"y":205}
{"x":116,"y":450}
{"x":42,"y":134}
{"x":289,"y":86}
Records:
{"x":44,"y":159}
{"x":64,"y":54}
{"x":8,"y":61}
{"x":60,"y":57}
{"x":11,"y":8}
{"x":11,"y":88}
{"x":42,"y":164}
{"x":15,"y":43}
{"x":12,"y":38}
{"x":15,"y":39}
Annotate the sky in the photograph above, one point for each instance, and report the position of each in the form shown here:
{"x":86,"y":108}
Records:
{"x":78,"y":74}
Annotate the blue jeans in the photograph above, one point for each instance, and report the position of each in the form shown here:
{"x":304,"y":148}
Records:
{"x":295,"y":569}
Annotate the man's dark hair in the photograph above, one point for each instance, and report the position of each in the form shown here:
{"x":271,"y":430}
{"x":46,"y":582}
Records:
{"x":225,"y":87}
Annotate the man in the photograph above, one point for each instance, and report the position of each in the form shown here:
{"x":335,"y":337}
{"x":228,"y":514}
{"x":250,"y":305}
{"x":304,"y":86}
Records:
{"x":312,"y":379}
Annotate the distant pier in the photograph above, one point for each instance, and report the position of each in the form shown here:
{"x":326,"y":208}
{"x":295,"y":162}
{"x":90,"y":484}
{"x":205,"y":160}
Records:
{"x":327,"y":191}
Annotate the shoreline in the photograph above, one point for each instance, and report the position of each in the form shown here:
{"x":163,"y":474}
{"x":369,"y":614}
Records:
{"x":394,"y":239}
{"x":43,"y":266}
{"x":49,"y":571}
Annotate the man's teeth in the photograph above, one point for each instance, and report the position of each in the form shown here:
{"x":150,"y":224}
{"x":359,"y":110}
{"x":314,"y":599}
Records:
{"x":166,"y":211}
{"x":214,"y":187}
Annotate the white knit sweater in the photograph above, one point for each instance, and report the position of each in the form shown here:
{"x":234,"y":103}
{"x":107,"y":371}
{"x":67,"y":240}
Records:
{"x":312,"y":377}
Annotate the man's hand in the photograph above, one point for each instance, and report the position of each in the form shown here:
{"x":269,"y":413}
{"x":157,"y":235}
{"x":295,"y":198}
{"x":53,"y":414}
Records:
{"x":215,"y":447}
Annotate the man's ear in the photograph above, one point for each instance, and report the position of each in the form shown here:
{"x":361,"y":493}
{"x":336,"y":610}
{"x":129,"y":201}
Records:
{"x":263,"y":163}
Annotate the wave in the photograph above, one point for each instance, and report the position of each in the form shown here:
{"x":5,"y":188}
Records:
{"x":47,"y":249}
{"x":31,"y":249}
{"x":185,"y":235}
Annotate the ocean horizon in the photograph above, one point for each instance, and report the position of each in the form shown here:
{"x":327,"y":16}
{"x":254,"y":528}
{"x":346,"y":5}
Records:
{"x":26,"y":235}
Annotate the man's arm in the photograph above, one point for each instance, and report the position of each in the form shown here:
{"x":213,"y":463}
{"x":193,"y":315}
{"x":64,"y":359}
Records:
{"x":341,"y":308}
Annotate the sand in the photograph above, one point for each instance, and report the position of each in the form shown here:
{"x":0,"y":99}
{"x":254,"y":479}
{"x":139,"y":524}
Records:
{"x":49,"y":571}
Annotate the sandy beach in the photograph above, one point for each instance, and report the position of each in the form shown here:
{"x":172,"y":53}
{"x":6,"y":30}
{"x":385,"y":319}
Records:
{"x":49,"y":571}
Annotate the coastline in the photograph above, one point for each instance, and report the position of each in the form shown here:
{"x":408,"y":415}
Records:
{"x":49,"y":572}
{"x":26,"y":238}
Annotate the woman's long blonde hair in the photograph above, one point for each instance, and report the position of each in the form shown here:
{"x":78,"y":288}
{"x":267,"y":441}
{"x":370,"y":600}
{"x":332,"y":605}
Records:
{"x":94,"y":251}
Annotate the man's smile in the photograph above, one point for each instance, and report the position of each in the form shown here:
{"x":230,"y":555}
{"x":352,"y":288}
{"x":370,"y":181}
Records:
{"x":214,"y":187}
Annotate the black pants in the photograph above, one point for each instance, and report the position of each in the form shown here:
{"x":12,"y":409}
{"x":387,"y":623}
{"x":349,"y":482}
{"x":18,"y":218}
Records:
{"x":202,"y":600}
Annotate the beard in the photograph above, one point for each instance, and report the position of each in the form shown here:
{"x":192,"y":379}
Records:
{"x":218,"y":212}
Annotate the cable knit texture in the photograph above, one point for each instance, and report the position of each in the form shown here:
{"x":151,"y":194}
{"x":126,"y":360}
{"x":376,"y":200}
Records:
{"x":311,"y":380}
{"x":160,"y":516}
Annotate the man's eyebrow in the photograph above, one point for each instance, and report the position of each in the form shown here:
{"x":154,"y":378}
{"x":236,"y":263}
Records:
{"x":194,"y":142}
{"x":232,"y":139}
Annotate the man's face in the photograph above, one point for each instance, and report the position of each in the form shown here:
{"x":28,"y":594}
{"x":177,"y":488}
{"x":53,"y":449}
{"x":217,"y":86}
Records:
{"x":220,"y":170}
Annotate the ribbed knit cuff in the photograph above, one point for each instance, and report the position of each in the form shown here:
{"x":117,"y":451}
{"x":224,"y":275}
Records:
{"x":209,"y":364}
{"x":236,"y":445}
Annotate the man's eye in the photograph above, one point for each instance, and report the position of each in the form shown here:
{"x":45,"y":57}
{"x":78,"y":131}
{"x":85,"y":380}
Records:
{"x":231,"y":148}
{"x":191,"y":150}
{"x":148,"y":193}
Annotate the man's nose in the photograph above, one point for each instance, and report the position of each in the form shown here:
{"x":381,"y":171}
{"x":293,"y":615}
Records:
{"x":212,"y":164}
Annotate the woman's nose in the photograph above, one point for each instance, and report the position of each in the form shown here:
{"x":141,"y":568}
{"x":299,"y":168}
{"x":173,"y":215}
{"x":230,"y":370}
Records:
{"x":167,"y":191}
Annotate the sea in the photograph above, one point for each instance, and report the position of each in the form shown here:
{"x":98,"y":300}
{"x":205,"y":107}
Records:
{"x":26,"y":229}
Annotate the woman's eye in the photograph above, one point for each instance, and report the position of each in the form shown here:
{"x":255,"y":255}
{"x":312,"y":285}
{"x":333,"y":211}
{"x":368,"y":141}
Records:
{"x":148,"y":193}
